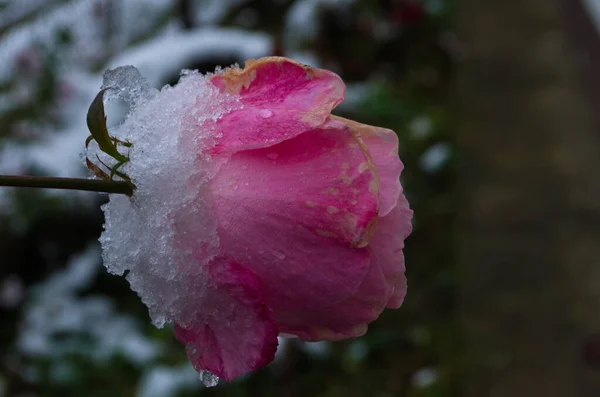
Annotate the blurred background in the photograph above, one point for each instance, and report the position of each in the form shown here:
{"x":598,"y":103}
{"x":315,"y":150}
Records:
{"x":492,"y":104}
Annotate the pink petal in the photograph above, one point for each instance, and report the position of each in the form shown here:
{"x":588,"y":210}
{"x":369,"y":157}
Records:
{"x":382,"y":145}
{"x":394,"y":224}
{"x":383,"y":286}
{"x":281,"y":99}
{"x":386,"y":248}
{"x":295,"y":214}
{"x":238,"y":334}
{"x":346,"y":319}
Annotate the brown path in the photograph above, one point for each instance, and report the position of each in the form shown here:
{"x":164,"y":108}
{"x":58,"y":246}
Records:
{"x":530,"y":210}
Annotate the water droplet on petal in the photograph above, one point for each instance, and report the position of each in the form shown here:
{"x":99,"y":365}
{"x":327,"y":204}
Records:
{"x":265,"y":113}
{"x":208,"y":379}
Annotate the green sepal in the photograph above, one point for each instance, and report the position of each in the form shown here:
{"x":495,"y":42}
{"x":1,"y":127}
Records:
{"x":96,"y":122}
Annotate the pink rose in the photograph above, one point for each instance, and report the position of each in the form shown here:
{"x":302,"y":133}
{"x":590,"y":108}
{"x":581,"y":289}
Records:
{"x":311,"y":219}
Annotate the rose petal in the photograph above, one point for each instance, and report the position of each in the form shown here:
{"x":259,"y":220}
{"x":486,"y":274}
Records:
{"x":386,"y":248}
{"x":382,"y":145}
{"x":281,"y":99}
{"x":238,"y":334}
{"x":384,"y":285}
{"x":346,"y":319}
{"x":294,"y":213}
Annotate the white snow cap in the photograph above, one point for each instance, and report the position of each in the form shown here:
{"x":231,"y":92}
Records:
{"x":145,"y":235}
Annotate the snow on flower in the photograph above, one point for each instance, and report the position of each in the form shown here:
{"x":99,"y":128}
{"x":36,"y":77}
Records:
{"x":256,"y":211}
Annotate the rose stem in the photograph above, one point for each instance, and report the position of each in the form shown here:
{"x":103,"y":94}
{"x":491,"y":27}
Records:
{"x":92,"y":185}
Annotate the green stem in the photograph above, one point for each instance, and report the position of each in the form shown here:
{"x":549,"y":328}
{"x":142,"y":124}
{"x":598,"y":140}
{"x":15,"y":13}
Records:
{"x":92,"y":185}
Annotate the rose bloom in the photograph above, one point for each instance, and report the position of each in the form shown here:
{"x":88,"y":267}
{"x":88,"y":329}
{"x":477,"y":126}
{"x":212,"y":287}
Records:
{"x":311,"y":218}
{"x":285,"y":219}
